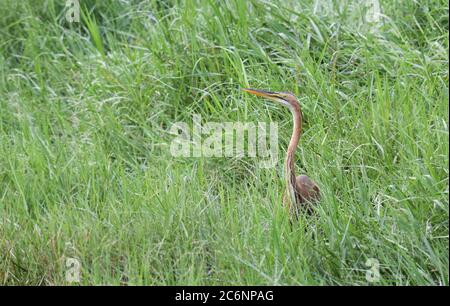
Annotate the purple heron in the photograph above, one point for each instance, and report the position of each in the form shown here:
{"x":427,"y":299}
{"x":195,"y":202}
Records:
{"x":300,"y":190}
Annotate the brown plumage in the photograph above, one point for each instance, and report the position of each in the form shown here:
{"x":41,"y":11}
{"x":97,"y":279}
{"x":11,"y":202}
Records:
{"x":300,"y":190}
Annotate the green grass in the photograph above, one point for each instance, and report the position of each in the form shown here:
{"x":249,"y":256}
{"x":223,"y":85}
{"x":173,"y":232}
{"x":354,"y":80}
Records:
{"x":86,"y":171}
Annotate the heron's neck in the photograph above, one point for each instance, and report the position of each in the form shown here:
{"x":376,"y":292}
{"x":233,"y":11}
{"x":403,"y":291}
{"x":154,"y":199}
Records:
{"x":290,"y":162}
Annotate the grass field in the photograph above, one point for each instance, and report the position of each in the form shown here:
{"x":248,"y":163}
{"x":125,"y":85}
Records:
{"x":86,"y":171}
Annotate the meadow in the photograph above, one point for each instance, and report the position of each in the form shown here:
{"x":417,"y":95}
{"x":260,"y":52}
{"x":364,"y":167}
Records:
{"x":86,"y":173}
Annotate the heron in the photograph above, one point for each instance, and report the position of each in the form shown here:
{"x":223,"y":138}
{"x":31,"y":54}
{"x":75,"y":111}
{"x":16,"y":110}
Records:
{"x":301,"y":191}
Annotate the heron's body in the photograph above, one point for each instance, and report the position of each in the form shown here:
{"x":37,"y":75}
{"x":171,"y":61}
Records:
{"x":300,"y":190}
{"x":307,"y":192}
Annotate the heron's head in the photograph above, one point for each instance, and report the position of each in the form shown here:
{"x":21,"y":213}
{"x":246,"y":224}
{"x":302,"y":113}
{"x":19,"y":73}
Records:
{"x":284,"y":98}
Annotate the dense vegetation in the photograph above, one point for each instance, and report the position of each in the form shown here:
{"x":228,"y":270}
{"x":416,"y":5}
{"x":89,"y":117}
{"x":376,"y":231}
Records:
{"x":86,"y":171}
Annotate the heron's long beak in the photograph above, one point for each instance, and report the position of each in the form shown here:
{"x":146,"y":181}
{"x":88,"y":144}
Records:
{"x":261,"y":93}
{"x":275,"y":96}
